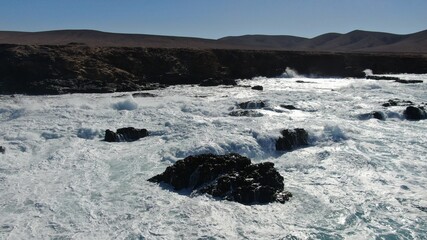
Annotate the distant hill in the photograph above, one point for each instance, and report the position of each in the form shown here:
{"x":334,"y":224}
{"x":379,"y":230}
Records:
{"x":355,"y":41}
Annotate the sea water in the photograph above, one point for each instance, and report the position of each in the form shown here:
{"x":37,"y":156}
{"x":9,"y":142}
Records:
{"x":357,"y":179}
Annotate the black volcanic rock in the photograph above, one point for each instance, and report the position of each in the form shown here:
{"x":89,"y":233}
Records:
{"x":258,"y":87}
{"x":289,"y":107}
{"x":409,"y":81}
{"x":2,"y":149}
{"x":231,"y":177}
{"x":58,"y":69}
{"x":291,"y":139}
{"x":258,"y":104}
{"x":415,"y":113}
{"x":382,"y":78}
{"x":128,"y":134}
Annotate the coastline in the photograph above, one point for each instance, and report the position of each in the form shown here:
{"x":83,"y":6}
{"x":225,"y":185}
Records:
{"x":78,"y":68}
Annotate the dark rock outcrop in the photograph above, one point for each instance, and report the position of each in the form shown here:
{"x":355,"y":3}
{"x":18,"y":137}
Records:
{"x":128,"y":134}
{"x":258,"y":104}
{"x":245,"y":113}
{"x":409,"y":81}
{"x":397,"y":102}
{"x":375,"y":114}
{"x":292,"y":139}
{"x":415,"y":113}
{"x":2,"y":149}
{"x":57,"y":69}
{"x":231,"y":177}
{"x":258,"y":87}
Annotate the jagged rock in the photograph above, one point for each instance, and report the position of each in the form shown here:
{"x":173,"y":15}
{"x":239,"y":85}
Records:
{"x":292,"y":139}
{"x":252,"y":104}
{"x":231,"y":177}
{"x":56,"y":69}
{"x":397,"y":102}
{"x":375,"y":114}
{"x":2,"y":149}
{"x":415,"y":113}
{"x":216,"y":82}
{"x":258,"y":87}
{"x":245,"y":113}
{"x":289,"y":107}
{"x":128,"y":134}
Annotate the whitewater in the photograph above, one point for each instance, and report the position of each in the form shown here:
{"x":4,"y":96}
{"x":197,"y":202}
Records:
{"x":357,"y":179}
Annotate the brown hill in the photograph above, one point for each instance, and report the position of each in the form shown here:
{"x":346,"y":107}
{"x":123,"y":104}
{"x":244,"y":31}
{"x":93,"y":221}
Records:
{"x":355,"y":41}
{"x":105,"y":39}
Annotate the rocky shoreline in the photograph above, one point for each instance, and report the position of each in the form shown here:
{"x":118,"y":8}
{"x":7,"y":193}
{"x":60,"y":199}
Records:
{"x":77,"y":68}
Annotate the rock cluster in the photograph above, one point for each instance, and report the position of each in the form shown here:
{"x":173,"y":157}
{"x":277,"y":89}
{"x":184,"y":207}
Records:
{"x":291,"y":139}
{"x":128,"y":134}
{"x":411,"y":112}
{"x":397,"y":102}
{"x":231,"y":177}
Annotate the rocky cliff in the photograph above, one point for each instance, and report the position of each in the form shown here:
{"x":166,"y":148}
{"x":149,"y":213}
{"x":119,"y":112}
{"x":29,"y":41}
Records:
{"x":56,"y":69}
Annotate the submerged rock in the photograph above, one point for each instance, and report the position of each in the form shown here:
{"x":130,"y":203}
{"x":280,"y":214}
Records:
{"x":258,"y":87}
{"x":2,"y":149}
{"x":292,"y":139}
{"x":128,"y":134}
{"x":375,"y":114}
{"x":252,"y":104}
{"x":231,"y":177}
{"x":289,"y":107}
{"x":409,"y":81}
{"x":415,"y":113}
{"x":245,"y":113}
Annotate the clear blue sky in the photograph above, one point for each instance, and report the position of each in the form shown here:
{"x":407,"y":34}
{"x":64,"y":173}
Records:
{"x":216,"y":18}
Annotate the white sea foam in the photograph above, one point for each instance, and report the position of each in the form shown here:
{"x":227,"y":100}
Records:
{"x":128,"y":104}
{"x":356,"y":179}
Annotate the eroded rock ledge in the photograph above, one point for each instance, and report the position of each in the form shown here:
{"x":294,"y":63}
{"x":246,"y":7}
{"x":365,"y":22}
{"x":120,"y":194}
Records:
{"x":231,"y":177}
{"x":57,"y":69}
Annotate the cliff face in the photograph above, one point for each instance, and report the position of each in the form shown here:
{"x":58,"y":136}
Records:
{"x":56,"y":69}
